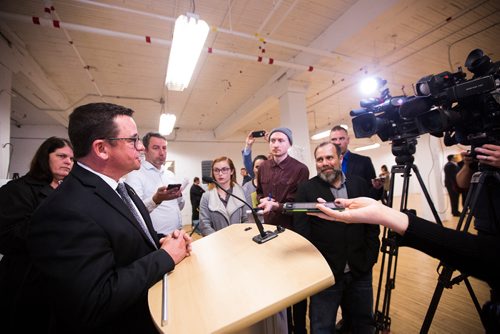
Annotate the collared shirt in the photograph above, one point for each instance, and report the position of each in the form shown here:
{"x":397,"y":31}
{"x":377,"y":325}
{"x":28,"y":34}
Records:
{"x":341,"y":192}
{"x":280,"y":182}
{"x":112,"y":183}
{"x":345,"y":161}
{"x":166,"y":216}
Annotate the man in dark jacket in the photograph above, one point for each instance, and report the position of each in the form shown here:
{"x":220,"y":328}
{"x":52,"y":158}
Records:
{"x":450,"y":182}
{"x":195,"y":193}
{"x":350,"y":250}
{"x":93,"y":239}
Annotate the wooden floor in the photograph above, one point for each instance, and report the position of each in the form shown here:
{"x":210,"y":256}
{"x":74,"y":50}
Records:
{"x":416,"y":280}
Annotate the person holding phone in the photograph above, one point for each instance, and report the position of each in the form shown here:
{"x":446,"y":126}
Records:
{"x":350,"y":250}
{"x":246,"y":153}
{"x":159,"y":188}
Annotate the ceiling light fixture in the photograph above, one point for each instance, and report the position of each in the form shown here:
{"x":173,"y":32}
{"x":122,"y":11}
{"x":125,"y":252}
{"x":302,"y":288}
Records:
{"x":326,"y":133}
{"x":320,"y":135}
{"x":190,"y":34}
{"x":167,"y":121}
{"x":367,"y":147}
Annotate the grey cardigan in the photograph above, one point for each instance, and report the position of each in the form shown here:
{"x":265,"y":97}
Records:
{"x":214,"y":216}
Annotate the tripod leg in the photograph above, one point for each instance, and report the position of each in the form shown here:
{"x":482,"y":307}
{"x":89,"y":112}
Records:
{"x":445,"y":276}
{"x":472,"y":295}
{"x":427,"y":196}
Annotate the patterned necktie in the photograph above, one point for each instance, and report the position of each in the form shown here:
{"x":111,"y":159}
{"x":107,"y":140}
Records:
{"x":130,"y":204}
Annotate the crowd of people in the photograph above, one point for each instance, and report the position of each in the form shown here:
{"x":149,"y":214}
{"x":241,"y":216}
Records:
{"x":63,"y":225}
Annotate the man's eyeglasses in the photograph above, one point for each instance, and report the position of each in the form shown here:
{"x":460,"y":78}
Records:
{"x":136,"y":140}
{"x":223,"y":170}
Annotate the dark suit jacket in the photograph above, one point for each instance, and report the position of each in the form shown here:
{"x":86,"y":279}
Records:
{"x":97,"y":261}
{"x":21,"y":292}
{"x":363,"y":167}
{"x":450,"y":176}
{"x":339,"y":243}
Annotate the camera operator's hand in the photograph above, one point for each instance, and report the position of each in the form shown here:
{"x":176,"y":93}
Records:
{"x":364,"y":210}
{"x":489,"y":154}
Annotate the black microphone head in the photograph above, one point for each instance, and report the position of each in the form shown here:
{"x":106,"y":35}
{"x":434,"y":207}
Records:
{"x":208,"y":179}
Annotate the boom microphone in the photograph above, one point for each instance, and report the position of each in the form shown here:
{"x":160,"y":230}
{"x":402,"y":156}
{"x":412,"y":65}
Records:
{"x":263,"y":235}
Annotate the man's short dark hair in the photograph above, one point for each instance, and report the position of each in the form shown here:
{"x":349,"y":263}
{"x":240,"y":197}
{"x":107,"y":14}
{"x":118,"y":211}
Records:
{"x":93,"y":121}
{"x":147,"y":138}
{"x":339,"y":128}
{"x":450,"y":157}
{"x":336,"y":146}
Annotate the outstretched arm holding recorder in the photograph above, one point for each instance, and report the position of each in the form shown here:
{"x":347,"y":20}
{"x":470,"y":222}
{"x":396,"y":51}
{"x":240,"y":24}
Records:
{"x":478,"y":256}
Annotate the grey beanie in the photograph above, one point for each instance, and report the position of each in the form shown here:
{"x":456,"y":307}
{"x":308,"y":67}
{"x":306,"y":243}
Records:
{"x":285,"y":131}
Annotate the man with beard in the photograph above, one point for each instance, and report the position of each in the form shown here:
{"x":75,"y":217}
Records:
{"x":350,"y":250}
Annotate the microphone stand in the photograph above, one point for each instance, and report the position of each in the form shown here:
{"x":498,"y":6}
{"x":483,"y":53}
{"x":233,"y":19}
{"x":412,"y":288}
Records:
{"x":263,"y":236}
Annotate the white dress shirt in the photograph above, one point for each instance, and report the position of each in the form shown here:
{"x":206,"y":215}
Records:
{"x":166,"y":216}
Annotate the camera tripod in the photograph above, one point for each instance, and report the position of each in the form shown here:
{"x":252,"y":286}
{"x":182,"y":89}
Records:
{"x":445,"y":279}
{"x":403,"y":150}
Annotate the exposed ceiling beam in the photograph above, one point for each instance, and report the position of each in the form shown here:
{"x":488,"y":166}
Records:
{"x":351,"y":22}
{"x":33,"y":83}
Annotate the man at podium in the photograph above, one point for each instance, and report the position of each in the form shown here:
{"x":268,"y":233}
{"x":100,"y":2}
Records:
{"x":93,"y":239}
{"x":350,"y":252}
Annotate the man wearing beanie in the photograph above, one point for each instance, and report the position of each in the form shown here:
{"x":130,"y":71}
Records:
{"x":278,"y":180}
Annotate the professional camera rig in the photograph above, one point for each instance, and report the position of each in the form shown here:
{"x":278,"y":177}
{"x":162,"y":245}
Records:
{"x":446,"y":104}
{"x":464,"y":112}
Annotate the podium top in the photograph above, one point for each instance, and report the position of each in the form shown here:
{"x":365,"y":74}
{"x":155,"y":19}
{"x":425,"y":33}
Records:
{"x":230,"y":282}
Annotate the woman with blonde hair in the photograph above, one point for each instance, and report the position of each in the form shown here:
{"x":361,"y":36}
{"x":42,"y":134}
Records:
{"x":217,"y":208}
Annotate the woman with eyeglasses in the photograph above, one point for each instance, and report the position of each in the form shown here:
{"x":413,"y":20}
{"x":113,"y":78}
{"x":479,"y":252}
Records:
{"x":23,"y":306}
{"x":217,"y":208}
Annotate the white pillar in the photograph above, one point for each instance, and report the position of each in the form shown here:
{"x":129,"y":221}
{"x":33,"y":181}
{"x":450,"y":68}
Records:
{"x":5,"y":110}
{"x":294,"y":116}
{"x":430,"y":150}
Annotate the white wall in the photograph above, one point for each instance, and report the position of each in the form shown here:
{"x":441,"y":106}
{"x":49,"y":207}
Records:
{"x":188,"y":156}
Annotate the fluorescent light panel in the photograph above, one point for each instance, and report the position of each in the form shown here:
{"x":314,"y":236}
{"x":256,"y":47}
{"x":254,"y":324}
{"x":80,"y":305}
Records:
{"x":167,"y":122}
{"x":326,"y":133}
{"x":367,"y":147}
{"x":190,"y":34}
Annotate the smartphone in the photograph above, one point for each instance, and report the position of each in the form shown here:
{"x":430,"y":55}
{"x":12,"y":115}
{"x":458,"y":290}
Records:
{"x":308,"y":207}
{"x":173,"y":186}
{"x":257,"y":134}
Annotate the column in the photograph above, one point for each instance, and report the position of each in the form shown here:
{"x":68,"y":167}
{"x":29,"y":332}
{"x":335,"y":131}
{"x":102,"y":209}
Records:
{"x":294,"y":116}
{"x":5,"y":110}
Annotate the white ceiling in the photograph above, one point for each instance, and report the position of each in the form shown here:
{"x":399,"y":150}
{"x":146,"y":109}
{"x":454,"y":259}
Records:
{"x":232,"y":93}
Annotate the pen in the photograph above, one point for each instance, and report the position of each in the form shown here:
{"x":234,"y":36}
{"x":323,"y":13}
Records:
{"x":269,"y":197}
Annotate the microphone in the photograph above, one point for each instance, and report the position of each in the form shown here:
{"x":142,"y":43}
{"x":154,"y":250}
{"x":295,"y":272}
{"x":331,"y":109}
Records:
{"x":263,"y":236}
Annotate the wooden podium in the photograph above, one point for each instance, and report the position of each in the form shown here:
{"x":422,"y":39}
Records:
{"x":230,"y":282}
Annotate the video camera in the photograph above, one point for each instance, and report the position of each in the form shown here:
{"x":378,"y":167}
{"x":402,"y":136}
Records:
{"x":464,"y":111}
